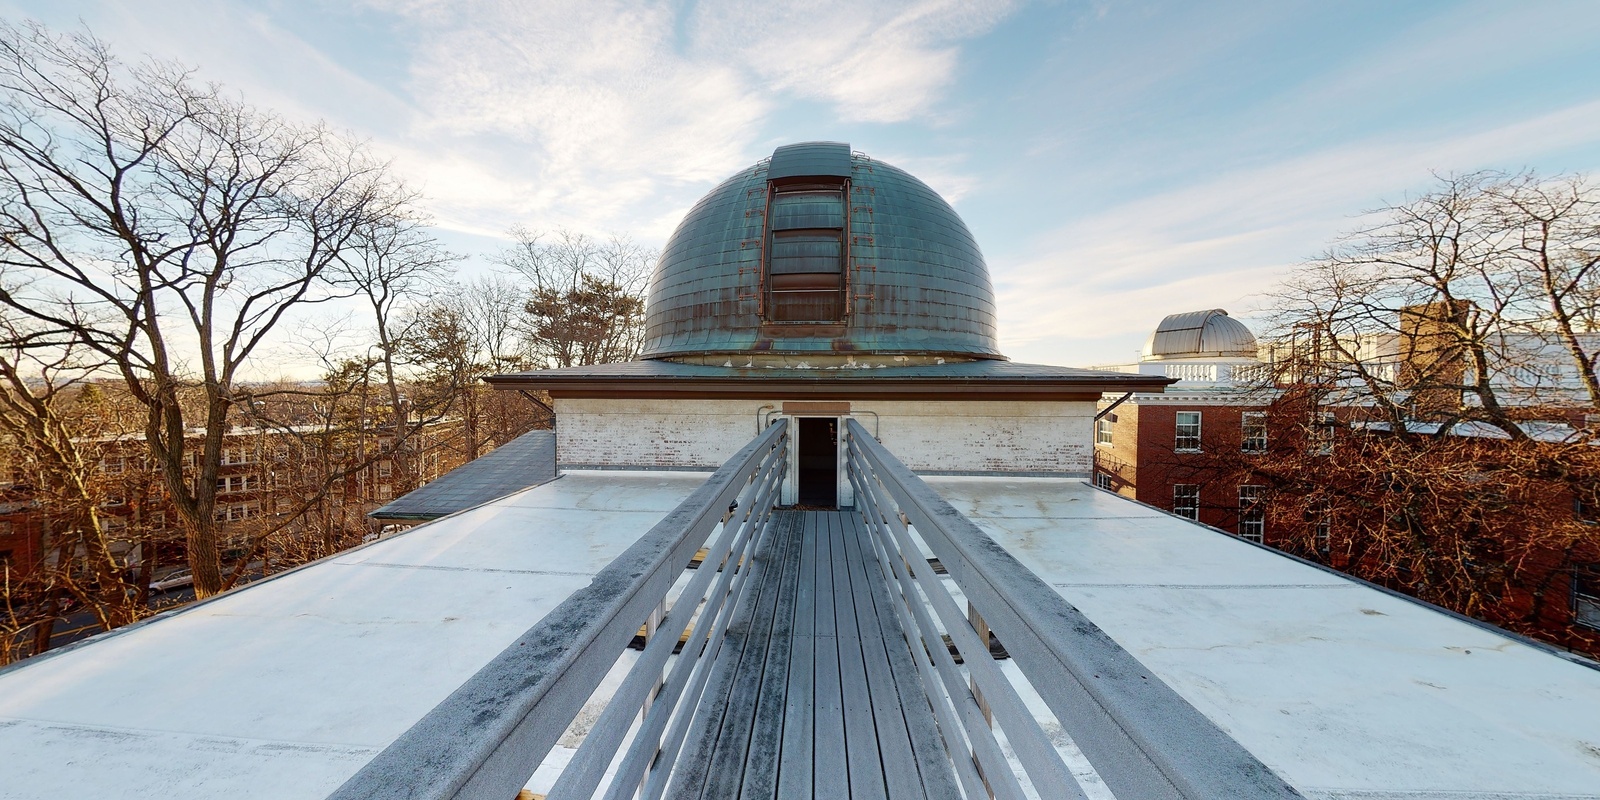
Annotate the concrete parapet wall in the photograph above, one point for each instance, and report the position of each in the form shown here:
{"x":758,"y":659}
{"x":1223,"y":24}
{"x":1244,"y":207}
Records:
{"x":936,"y":436}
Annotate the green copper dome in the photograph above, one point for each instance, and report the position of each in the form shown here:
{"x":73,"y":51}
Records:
{"x":819,"y":250}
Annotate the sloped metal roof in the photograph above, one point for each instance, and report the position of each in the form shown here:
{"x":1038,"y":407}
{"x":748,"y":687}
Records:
{"x":997,"y":376}
{"x":528,"y":460}
{"x":1196,"y":334}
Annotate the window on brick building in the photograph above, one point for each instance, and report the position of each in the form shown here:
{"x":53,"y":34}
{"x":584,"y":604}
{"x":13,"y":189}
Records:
{"x":1586,"y":507}
{"x":1253,"y":432}
{"x":1252,"y":516}
{"x":1102,"y":480}
{"x":1323,"y":424}
{"x":1188,"y":438}
{"x":1586,"y":596}
{"x":1319,"y":518}
{"x":1103,"y":428}
{"x":239,"y":483}
{"x":233,"y":512}
{"x":1186,"y":500}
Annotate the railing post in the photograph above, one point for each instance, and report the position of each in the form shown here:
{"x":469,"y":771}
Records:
{"x":982,"y":628}
{"x":489,"y":735}
{"x":651,"y":623}
{"x":1142,"y":738}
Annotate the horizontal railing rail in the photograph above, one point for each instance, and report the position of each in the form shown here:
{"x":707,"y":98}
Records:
{"x":486,"y":739}
{"x":1141,"y":737}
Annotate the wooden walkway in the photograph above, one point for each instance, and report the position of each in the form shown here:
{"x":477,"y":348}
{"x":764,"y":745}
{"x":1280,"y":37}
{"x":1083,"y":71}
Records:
{"x":815,"y":693}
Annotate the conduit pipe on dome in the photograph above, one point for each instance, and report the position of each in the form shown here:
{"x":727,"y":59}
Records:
{"x":1113,"y":407}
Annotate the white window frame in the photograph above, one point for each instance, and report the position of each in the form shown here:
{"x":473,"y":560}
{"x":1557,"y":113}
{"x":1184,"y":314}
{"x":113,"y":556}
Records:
{"x":1586,"y":597}
{"x":1321,"y":434}
{"x":1189,"y":492}
{"x":227,"y":484}
{"x":1104,"y":430}
{"x":1253,"y":432}
{"x":1102,"y":480}
{"x":1252,"y":513}
{"x":1186,"y":442}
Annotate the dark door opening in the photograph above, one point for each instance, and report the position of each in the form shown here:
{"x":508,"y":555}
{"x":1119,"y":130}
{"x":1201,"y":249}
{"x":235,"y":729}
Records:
{"x":818,"y":454}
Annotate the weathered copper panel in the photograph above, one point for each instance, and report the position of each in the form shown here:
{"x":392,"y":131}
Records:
{"x":916,"y":280}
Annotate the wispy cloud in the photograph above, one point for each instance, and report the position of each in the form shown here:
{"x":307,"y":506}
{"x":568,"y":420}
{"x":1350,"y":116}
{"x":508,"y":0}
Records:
{"x":1224,"y":240}
{"x":588,"y":114}
{"x":873,"y":61}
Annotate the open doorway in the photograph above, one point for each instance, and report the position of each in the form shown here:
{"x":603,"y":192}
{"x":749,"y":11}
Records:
{"x":818,"y":459}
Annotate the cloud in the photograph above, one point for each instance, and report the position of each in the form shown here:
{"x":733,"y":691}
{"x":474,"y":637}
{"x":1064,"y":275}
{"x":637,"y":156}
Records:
{"x":1223,"y":240}
{"x":597,"y":114}
{"x":873,"y":61}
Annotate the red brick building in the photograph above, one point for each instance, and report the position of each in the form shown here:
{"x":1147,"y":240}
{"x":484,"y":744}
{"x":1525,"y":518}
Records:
{"x":1160,"y":449}
{"x":1184,"y":452}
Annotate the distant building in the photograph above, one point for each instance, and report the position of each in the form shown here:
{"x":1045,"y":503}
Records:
{"x":1186,"y":450}
{"x":1152,"y":447}
{"x":264,"y":476}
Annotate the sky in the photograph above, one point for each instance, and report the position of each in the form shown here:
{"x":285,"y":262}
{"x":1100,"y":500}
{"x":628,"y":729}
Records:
{"x":1118,"y":161}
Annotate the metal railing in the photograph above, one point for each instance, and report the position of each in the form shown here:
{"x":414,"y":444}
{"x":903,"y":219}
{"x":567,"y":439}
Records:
{"x":486,"y":739}
{"x":1141,"y":737}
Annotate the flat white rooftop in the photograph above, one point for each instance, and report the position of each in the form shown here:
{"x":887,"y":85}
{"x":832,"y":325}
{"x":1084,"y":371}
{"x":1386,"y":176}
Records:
{"x":285,"y":688}
{"x":1345,"y":690}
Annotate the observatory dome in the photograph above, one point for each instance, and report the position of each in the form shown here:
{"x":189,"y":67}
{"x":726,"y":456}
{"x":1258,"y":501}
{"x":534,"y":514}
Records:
{"x":821,"y":252}
{"x":1200,"y":334}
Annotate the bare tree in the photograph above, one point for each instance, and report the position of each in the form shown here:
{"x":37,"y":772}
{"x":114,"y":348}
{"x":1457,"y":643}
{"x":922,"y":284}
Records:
{"x":391,"y":261}
{"x":1459,"y":305}
{"x":54,"y":426}
{"x":492,"y":307}
{"x":1554,"y":247}
{"x":1448,"y":345}
{"x":170,"y":228}
{"x":586,"y":301}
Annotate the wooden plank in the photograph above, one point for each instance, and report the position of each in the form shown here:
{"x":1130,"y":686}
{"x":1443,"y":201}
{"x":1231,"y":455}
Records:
{"x":794,"y":767}
{"x":934,"y":768}
{"x":690,"y":772}
{"x":830,"y":766}
{"x":861,"y":735}
{"x":766,"y":733}
{"x":894,"y":740}
{"x":733,"y":741}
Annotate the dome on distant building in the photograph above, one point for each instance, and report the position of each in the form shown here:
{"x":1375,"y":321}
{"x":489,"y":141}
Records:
{"x":1200,"y":334}
{"x":820,"y":252}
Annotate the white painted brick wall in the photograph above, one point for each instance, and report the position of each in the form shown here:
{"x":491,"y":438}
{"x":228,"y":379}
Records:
{"x":955,"y":436}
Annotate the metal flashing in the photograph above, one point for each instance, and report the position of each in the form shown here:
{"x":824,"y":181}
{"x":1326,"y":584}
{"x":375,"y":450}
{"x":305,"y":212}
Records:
{"x":810,"y":160}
